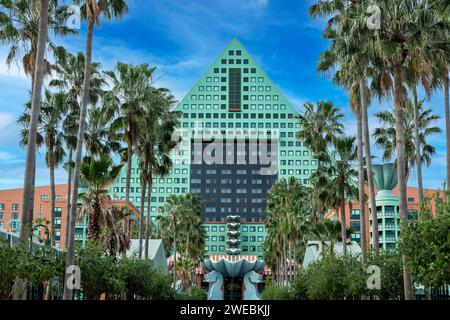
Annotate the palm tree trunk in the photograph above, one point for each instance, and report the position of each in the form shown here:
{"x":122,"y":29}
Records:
{"x":343,"y":225}
{"x":417,"y":144}
{"x":361,"y":197}
{"x":277,"y":267}
{"x":149,"y":215}
{"x":447,"y":126}
{"x":294,"y":259}
{"x":186,"y":250}
{"x":401,"y":165}
{"x":69,"y":192}
{"x":142,"y":221}
{"x":52,"y":199}
{"x":285,"y":262}
{"x":70,"y":257}
{"x":30,"y":166}
{"x":28,"y":186}
{"x":128,"y":182}
{"x":366,"y":141}
{"x":291,"y":266}
{"x":320,"y":205}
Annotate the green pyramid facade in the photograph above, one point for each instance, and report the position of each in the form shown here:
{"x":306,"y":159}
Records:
{"x":235,"y":56}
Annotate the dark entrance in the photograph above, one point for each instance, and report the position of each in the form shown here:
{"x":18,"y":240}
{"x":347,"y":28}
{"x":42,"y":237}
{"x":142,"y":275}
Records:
{"x":233,"y":288}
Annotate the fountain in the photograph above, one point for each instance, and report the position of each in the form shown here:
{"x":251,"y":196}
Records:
{"x":234,"y":266}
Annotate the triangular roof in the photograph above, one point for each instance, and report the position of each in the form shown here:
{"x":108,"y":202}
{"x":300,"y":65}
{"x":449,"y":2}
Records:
{"x":254,"y":71}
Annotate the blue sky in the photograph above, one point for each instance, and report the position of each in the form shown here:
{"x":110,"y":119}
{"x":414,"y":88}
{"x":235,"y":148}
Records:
{"x":182,"y":38}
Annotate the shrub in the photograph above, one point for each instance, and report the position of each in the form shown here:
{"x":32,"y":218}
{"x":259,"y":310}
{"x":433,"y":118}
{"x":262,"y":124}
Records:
{"x":332,"y":278}
{"x":277,"y":292}
{"x":194,"y":293}
{"x":8,"y":269}
{"x":427,"y":245}
{"x":98,"y":272}
{"x":391,"y":268}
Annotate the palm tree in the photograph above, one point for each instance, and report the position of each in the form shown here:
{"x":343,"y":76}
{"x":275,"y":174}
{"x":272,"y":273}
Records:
{"x":24,"y":27}
{"x":92,"y":11}
{"x":350,"y":75}
{"x":186,"y":269}
{"x":20,"y":22}
{"x":384,"y":136}
{"x":69,"y":71}
{"x":154,"y":147}
{"x":99,"y":140}
{"x":329,"y":233}
{"x":408,"y":27}
{"x":441,"y":5}
{"x":194,"y":234}
{"x":125,"y":104}
{"x":48,"y":133}
{"x":104,"y":218}
{"x":348,"y":51}
{"x":288,"y":214}
{"x":342,"y":172}
{"x":180,"y":224}
{"x":443,"y":8}
{"x":319,"y":125}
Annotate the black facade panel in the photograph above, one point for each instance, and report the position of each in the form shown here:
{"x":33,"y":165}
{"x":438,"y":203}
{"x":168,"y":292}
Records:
{"x":232,"y":187}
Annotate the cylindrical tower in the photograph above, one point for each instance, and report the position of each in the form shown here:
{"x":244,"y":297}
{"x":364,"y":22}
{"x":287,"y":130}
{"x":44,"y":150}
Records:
{"x":385,"y":178}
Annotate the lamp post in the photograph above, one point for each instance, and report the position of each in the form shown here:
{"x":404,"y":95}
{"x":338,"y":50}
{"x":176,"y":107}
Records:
{"x":33,"y":228}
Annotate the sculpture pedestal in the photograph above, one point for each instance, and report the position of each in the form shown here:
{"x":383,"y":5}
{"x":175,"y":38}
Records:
{"x":234,"y":267}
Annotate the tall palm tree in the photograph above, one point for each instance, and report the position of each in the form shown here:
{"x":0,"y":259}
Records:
{"x":24,"y":27}
{"x":154,"y":147}
{"x":49,"y":133}
{"x":69,"y":71}
{"x":425,"y":68}
{"x":319,"y":125}
{"x":125,"y":104}
{"x":92,"y":11}
{"x":342,"y":171}
{"x":357,"y":109}
{"x":384,"y":135}
{"x":407,"y":26}
{"x":350,"y":74}
{"x":443,"y":8}
{"x":349,"y":55}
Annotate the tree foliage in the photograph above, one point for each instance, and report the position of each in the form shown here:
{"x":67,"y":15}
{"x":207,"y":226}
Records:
{"x":427,"y":245}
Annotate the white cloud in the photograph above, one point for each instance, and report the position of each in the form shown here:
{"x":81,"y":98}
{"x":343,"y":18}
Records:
{"x":258,"y":3}
{"x":6,"y":119}
{"x":8,"y":157}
